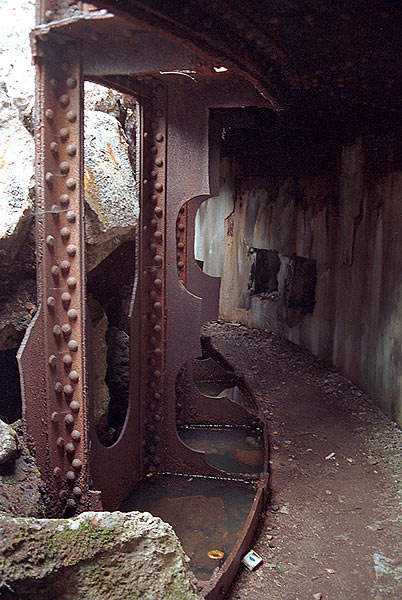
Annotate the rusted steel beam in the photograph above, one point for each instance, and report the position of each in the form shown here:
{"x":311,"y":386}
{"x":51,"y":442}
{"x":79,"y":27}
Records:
{"x":179,"y":170}
{"x":57,"y":374}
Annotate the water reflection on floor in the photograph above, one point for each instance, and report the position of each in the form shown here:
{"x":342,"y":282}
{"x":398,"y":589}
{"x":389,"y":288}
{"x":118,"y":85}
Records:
{"x":229,"y":450}
{"x":206,"y":514}
{"x":220,"y":389}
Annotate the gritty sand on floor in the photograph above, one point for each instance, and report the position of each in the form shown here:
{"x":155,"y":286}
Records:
{"x":333,"y":527}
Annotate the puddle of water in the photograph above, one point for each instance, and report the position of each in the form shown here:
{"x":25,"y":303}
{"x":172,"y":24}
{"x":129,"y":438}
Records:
{"x":229,"y":450}
{"x":206,"y":514}
{"x":220,"y":389}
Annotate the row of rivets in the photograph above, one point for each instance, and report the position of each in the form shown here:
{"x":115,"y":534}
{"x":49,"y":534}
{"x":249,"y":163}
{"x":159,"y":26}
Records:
{"x":154,"y":228}
{"x":181,"y":243}
{"x":62,"y":151}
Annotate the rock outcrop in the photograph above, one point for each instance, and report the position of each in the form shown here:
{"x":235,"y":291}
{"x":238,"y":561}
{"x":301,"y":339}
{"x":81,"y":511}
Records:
{"x":8,"y":443}
{"x":93,"y":556}
{"x":21,"y":487}
{"x":110,"y":192}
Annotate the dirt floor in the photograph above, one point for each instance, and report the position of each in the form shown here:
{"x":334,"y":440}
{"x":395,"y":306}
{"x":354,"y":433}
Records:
{"x":333,"y":529}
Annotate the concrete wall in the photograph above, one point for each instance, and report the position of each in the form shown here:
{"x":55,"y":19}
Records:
{"x":349,"y":220}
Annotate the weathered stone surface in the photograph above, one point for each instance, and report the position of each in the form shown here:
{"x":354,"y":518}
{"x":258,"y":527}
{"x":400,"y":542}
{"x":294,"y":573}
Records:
{"x":93,"y":556}
{"x":100,"y":391}
{"x":21,"y":487}
{"x":8,"y":443}
{"x":16,"y":313}
{"x":16,"y":105}
{"x":110,"y":189}
{"x":118,"y":375}
{"x":112,"y":208}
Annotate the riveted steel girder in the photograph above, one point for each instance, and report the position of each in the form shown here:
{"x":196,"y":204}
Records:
{"x":172,"y":297}
{"x":53,"y":356}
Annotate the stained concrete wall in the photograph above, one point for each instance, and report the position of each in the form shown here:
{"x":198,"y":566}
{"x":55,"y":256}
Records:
{"x":210,"y":222}
{"x":349,"y":220}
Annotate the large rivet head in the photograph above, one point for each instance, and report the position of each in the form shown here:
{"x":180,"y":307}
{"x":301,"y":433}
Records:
{"x":71,"y":83}
{"x":159,"y":137}
{"x":71,"y":503}
{"x":70,"y":216}
{"x":71,"y":250}
{"x":66,"y":328}
{"x":64,"y":133}
{"x":64,"y":200}
{"x":73,"y":345}
{"x":67,"y":360}
{"x":57,"y":472}
{"x":71,"y":184}
{"x":69,"y":419}
{"x":64,"y":100}
{"x":49,"y":114}
{"x":76,"y":435}
{"x":66,"y":298}
{"x":74,"y":406}
{"x":72,"y":314}
{"x":77,"y":491}
{"x":159,"y":187}
{"x":54,"y":147}
{"x":55,"y":271}
{"x":70,"y":475}
{"x":71,"y":116}
{"x":70,"y":448}
{"x":68,"y":390}
{"x":52,"y":360}
{"x":72,"y":282}
{"x":71,"y":150}
{"x":60,"y":442}
{"x":49,"y":178}
{"x":77,"y":463}
{"x":54,"y":417}
{"x":74,"y":376}
{"x":64,"y":167}
{"x":51,"y":302}
{"x":57,"y":330}
{"x":65,"y":266}
{"x":50,"y":242}
{"x":65,"y":233}
{"x":157,"y":259}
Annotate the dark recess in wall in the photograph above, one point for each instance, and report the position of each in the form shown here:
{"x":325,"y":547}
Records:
{"x":111,"y":284}
{"x":10,"y":391}
{"x":264,"y":271}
